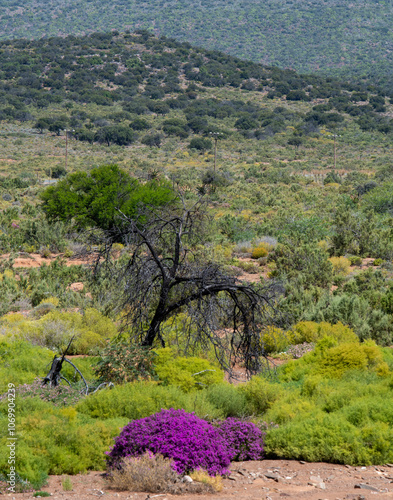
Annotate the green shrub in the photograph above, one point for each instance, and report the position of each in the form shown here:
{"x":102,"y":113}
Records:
{"x":339,"y":359}
{"x":346,"y":420}
{"x":57,"y":441}
{"x":228,"y":399}
{"x":350,"y":356}
{"x":21,"y":362}
{"x":121,"y":362}
{"x":310,"y":331}
{"x":200,"y":143}
{"x":141,"y":399}
{"x":341,"y":265}
{"x":333,"y":360}
{"x":247,"y":266}
{"x":260,"y":395}
{"x":330,"y":438}
{"x":258,"y":252}
{"x":67,"y":484}
{"x":307,"y":263}
{"x":274,"y":339}
{"x":355,"y":260}
{"x":187,"y":373}
{"x":377,"y":262}
{"x":56,"y":328}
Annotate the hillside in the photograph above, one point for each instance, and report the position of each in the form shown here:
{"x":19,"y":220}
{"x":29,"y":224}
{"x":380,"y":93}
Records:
{"x":332,"y":37}
{"x":157,"y":96}
{"x":301,"y":159}
{"x":168,"y":212}
{"x":297,"y":159}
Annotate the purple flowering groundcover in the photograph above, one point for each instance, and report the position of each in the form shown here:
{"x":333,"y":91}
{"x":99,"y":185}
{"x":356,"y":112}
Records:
{"x":190,"y":441}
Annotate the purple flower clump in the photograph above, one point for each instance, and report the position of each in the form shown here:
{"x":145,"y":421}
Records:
{"x":244,"y":439}
{"x":191,"y":442}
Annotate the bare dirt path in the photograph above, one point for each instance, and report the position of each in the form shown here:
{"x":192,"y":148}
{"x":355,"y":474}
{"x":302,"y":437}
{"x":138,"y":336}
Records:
{"x":259,"y":480}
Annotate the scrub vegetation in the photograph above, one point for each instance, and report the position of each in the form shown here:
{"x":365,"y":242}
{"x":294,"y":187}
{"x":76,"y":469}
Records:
{"x":187,"y":218}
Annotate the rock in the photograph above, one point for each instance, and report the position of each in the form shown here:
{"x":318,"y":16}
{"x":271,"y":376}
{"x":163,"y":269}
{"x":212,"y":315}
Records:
{"x":187,"y":479}
{"x":366,"y":487}
{"x":321,"y":486}
{"x":317,"y":482}
{"x":275,"y":477}
{"x":76,"y":287}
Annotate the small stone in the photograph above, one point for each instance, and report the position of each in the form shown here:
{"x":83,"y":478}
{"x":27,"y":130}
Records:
{"x":275,"y":477}
{"x":187,"y":479}
{"x":366,"y":487}
{"x":302,"y":462}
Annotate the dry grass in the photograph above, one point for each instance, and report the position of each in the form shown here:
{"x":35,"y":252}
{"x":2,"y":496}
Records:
{"x":201,"y":476}
{"x":150,"y":473}
{"x":154,"y":474}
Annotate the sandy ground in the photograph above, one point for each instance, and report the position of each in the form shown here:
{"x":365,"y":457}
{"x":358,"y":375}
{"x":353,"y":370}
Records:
{"x":259,"y":480}
{"x":36,"y":260}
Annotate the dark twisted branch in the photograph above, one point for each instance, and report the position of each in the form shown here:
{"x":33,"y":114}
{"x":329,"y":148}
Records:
{"x":53,"y":378}
{"x":164,"y":277}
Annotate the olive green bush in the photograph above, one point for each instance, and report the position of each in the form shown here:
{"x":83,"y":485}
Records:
{"x":310,"y":331}
{"x":140,"y":399}
{"x":187,"y":373}
{"x":56,"y":328}
{"x":260,"y":395}
{"x":275,"y":339}
{"x":121,"y":362}
{"x":56,"y":441}
{"x":307,"y":263}
{"x":340,"y":265}
{"x":231,"y":401}
{"x":21,"y":362}
{"x":334,"y":406}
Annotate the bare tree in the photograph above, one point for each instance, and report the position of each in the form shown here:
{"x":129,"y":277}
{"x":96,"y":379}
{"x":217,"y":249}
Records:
{"x":167,"y":273}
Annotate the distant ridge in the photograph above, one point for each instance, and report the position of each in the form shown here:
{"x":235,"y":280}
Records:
{"x":331,"y":36}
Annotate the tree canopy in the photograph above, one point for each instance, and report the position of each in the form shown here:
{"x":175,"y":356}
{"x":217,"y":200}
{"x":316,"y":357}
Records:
{"x":93,"y":199}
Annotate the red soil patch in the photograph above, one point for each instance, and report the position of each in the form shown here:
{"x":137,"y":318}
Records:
{"x":259,"y":480}
{"x":36,"y":260}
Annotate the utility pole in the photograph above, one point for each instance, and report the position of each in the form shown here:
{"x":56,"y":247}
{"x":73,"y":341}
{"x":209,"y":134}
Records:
{"x":335,"y":149}
{"x":66,"y":151}
{"x":335,"y":155}
{"x":215,"y":136}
